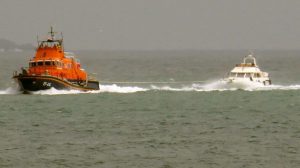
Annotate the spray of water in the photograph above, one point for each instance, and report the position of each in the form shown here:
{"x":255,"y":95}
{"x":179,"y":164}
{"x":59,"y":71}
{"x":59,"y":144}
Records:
{"x":10,"y":91}
{"x":196,"y":87}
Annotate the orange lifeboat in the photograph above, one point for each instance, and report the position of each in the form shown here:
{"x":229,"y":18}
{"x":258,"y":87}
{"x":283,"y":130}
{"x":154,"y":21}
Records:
{"x":53,"y":67}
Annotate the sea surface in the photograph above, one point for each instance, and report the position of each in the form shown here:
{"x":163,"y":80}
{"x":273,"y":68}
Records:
{"x":156,"y":109}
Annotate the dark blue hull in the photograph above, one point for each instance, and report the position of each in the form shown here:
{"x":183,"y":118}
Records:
{"x":36,"y":83}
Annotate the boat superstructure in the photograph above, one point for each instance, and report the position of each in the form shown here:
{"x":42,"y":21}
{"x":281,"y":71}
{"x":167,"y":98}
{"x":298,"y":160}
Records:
{"x":53,"y":67}
{"x":248,"y":71}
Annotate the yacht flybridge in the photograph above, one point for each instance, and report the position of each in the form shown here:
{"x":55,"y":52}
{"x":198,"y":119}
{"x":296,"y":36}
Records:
{"x":248,"y":72}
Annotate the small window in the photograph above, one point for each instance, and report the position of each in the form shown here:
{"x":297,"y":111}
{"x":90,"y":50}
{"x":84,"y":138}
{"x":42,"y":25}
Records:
{"x":32,"y":64}
{"x":248,"y":75}
{"x":241,"y":75}
{"x":47,"y":63}
{"x":40,"y":63}
{"x":56,"y":63}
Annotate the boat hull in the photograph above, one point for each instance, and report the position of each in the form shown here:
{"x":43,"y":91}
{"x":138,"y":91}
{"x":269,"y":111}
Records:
{"x":244,"y":83}
{"x":36,"y":83}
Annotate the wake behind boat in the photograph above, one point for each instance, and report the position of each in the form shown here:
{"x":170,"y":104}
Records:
{"x":247,"y":73}
{"x":52,"y":67}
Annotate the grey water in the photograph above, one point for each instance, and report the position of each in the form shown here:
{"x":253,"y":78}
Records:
{"x":143,"y":118}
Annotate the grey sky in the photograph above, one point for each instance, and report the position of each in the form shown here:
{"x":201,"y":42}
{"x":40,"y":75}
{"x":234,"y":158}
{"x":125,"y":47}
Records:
{"x":156,"y":24}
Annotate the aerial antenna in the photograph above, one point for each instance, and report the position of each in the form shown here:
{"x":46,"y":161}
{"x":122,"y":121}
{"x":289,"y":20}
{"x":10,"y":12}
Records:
{"x":251,"y":52}
{"x":52,"y":33}
{"x":250,"y":57}
{"x":61,"y":41}
{"x":37,"y":39}
{"x":62,"y":37}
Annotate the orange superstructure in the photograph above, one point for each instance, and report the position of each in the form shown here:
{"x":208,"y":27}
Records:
{"x":52,"y":61}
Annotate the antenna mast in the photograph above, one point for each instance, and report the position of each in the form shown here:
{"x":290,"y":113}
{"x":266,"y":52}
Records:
{"x":62,"y":39}
{"x":37,"y":39}
{"x":52,"y":33}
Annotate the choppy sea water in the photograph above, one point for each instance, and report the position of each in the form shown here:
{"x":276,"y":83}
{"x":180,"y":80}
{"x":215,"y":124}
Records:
{"x":155,"y":109}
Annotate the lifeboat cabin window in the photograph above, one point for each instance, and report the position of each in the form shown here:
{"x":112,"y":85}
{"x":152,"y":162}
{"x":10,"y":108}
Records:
{"x":32,"y":64}
{"x":40,"y":63}
{"x":47,"y":63}
{"x":57,"y":64}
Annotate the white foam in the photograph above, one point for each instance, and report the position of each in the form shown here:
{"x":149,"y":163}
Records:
{"x":279,"y":87}
{"x":121,"y":89}
{"x":54,"y":91}
{"x":196,"y":87}
{"x":2,"y":92}
{"x":10,"y":90}
{"x":222,"y":86}
{"x":103,"y":88}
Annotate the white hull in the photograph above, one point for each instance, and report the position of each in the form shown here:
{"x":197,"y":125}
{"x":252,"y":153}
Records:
{"x":244,"y":83}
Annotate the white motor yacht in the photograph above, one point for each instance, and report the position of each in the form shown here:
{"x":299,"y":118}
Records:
{"x":248,"y":72}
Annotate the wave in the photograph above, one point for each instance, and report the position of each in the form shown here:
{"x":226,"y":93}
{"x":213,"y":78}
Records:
{"x":10,"y":91}
{"x":103,"y":88}
{"x":54,"y":91}
{"x":196,"y":87}
{"x":121,"y":89}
